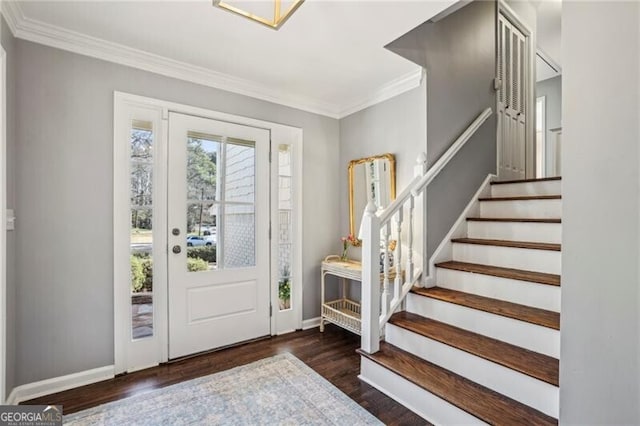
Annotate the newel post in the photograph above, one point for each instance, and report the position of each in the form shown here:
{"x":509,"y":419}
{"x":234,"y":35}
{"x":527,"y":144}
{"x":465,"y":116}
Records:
{"x":370,"y":298}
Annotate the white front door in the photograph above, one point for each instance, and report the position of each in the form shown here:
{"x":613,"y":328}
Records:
{"x":513,"y":74}
{"x":218,"y":225}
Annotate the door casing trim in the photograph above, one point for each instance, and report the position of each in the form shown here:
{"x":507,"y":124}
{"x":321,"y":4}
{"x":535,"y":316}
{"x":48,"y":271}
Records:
{"x":280,"y":134}
{"x":504,"y":9}
{"x":3,"y":224}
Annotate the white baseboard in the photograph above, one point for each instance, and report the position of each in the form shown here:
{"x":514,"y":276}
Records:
{"x":311,"y":323}
{"x":58,"y":384}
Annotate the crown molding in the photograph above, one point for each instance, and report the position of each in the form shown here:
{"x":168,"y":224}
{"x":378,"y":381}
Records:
{"x":387,"y":91}
{"x":54,"y":36}
{"x":11,"y":12}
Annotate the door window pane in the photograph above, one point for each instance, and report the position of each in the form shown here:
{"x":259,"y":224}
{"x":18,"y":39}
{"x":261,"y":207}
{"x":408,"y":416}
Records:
{"x":238,"y":204}
{"x":141,"y":236}
{"x":203,"y":152}
{"x":220,"y":205}
{"x":202,"y":236}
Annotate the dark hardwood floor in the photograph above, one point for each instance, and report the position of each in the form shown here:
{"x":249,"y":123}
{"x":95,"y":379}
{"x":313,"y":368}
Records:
{"x":331,"y":354}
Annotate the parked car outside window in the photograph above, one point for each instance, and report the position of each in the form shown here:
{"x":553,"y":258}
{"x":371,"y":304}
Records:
{"x":195,"y":241}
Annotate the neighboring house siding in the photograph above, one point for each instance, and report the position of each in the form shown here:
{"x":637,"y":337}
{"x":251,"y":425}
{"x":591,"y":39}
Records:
{"x":239,"y":221}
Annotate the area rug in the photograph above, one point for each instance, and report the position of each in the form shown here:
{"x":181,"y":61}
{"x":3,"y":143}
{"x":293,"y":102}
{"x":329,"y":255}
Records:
{"x":280,"y":390}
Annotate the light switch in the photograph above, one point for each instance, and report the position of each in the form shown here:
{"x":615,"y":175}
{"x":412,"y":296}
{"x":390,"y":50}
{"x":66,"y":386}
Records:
{"x":11,"y":220}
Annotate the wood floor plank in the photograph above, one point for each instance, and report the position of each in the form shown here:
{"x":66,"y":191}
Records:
{"x":514,"y":219}
{"x":506,"y":243}
{"x":533,"y":364}
{"x":485,"y":404}
{"x":524,"y":313}
{"x":522,"y":198}
{"x":497,"y":271}
{"x":504,"y":182}
{"x":331,"y":354}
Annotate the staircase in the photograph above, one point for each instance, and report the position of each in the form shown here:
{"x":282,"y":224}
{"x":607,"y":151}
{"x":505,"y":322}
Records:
{"x":482,"y":346}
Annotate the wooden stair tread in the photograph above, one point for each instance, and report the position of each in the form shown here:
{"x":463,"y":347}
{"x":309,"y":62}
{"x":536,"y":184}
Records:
{"x":505,"y":182}
{"x":507,"y":243}
{"x":522,"y":198}
{"x":497,"y":271}
{"x":533,"y":364}
{"x":524,"y":313}
{"x":485,"y":404}
{"x":513,"y":219}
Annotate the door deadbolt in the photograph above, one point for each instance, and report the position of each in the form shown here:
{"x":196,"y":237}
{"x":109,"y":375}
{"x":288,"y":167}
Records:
{"x":175,"y":231}
{"x":176,"y":249}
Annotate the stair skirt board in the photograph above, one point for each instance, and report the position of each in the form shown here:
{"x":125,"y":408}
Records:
{"x":529,"y":336}
{"x":459,"y":229}
{"x":535,"y":393}
{"x":509,"y":257}
{"x":551,"y":187}
{"x":412,"y":396}
{"x":547,"y":209}
{"x":540,"y":296}
{"x":516,"y":231}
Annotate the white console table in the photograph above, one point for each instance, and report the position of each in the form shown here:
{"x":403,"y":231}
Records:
{"x":343,"y":311}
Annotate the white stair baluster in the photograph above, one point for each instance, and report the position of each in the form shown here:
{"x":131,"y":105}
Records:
{"x":386,"y":293}
{"x":397,"y":290}
{"x":409,"y":271}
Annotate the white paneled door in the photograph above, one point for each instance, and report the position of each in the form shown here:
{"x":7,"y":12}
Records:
{"x":218,"y":220}
{"x":513,"y":74}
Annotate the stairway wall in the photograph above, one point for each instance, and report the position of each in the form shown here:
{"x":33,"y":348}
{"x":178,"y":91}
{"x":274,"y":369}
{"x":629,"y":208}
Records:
{"x":459,"y":54}
{"x":600,"y":244}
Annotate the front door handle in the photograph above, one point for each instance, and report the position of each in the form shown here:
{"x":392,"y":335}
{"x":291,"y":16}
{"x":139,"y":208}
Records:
{"x":176,"y":249}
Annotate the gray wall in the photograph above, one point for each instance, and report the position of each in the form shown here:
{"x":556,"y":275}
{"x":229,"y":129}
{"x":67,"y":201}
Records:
{"x":599,"y":371}
{"x":552,"y":89}
{"x":8,"y":43}
{"x":63,"y":168}
{"x":397,"y":125}
{"x":459,"y":55}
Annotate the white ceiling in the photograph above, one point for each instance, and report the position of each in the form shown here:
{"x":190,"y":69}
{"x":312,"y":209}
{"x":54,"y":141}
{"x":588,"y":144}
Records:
{"x":327,"y":58}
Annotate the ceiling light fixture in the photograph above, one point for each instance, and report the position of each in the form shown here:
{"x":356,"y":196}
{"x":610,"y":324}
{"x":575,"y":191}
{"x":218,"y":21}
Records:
{"x":275,"y":22}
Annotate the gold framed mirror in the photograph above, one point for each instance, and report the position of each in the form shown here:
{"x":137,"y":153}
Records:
{"x":370,"y":179}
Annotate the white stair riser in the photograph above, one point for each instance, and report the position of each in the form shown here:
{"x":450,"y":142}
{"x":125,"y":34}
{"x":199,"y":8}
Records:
{"x":530,"y":391}
{"x":516,"y":231}
{"x":550,"y":187}
{"x":541,"y":296}
{"x":418,"y":400}
{"x":522,"y":209}
{"x":529,"y":336}
{"x":509,"y":257}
